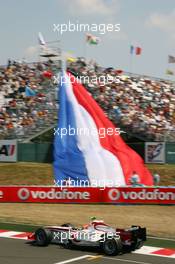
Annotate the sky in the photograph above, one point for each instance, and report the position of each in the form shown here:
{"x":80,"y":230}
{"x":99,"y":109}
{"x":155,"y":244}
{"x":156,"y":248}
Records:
{"x":149,"y":24}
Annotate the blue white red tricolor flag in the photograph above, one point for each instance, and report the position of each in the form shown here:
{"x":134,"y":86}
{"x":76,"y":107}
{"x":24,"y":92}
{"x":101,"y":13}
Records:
{"x":82,"y":151}
{"x":135,"y":50}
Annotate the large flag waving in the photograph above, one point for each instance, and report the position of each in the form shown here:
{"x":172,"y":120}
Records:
{"x":82,"y":151}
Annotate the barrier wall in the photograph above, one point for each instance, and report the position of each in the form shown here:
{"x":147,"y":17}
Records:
{"x":35,"y":152}
{"x":87,"y":195}
{"x":170,"y":153}
{"x":43,"y":152}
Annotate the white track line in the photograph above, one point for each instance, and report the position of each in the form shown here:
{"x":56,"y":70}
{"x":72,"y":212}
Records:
{"x":127,"y":260}
{"x":161,"y":238}
{"x":73,"y":259}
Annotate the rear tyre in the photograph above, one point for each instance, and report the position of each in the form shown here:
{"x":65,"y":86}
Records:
{"x":137,"y":244}
{"x":112,"y":247}
{"x":43,"y":237}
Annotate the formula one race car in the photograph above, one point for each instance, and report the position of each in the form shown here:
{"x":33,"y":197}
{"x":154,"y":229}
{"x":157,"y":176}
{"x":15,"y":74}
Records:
{"x":112,"y":241}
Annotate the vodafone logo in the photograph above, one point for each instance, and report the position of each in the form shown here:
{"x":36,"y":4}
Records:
{"x":114,"y":194}
{"x":52,"y":194}
{"x":23,"y":194}
{"x":1,"y":194}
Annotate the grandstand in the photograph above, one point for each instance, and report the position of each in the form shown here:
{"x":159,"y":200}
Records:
{"x":142,"y":106}
{"x":24,"y":116}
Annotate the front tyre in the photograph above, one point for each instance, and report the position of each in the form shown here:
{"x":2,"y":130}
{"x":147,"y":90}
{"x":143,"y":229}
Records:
{"x":67,"y":244}
{"x":43,"y":237}
{"x":111,"y":247}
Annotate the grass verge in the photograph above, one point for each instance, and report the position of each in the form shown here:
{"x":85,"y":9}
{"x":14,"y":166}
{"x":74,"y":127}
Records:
{"x":29,"y":173}
{"x":158,"y":220}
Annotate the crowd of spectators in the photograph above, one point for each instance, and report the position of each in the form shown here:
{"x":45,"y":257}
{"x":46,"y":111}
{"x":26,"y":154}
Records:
{"x":142,"y":105}
{"x":20,"y":113}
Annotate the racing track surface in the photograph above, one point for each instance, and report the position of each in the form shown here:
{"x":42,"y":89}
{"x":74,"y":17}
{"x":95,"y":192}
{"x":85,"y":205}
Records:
{"x":16,"y":251}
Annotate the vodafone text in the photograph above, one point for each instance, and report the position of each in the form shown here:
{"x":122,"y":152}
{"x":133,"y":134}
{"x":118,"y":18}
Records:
{"x":144,"y":194}
{"x":25,"y":194}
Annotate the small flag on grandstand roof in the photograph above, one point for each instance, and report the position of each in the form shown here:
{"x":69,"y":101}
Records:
{"x":171,"y":59}
{"x":138,"y":50}
{"x":41,"y":39}
{"x":131,"y":49}
{"x":92,"y":40}
{"x":135,"y":50}
{"x":69,"y":56}
{"x":71,"y":59}
{"x":169,"y":72}
{"x":119,"y":71}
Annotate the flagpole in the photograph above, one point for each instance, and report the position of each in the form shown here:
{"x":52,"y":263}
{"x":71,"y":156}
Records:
{"x":64,"y":63}
{"x":168,"y":75}
{"x":85,"y":50}
{"x":168,"y":68}
{"x":131,"y":59}
{"x":131,"y":63}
